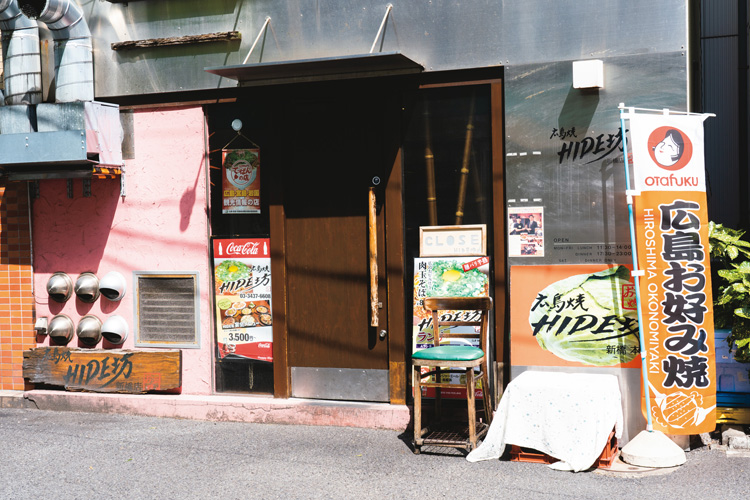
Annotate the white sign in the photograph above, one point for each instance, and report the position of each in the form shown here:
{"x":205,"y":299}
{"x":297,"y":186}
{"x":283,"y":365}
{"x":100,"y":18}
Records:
{"x":450,"y":241}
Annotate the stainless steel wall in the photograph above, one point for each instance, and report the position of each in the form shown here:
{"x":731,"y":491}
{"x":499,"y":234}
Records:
{"x":564,"y":150}
{"x":440,"y":34}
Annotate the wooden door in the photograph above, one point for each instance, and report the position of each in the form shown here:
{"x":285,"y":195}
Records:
{"x":334,"y":157}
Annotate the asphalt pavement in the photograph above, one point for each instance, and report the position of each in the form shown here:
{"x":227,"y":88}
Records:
{"x":66,"y":455}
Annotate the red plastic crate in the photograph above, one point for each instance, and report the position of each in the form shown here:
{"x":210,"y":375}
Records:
{"x":519,"y":454}
{"x":605,"y":460}
{"x":609,"y":454}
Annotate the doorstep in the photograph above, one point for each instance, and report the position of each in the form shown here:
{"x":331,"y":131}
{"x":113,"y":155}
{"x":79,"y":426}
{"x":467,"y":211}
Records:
{"x":225,"y":408}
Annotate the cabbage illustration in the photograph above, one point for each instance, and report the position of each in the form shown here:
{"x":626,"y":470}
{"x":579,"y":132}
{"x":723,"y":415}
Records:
{"x":588,"y":318}
{"x":448,"y":279}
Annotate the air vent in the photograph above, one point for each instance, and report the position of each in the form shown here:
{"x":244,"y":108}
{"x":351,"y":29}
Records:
{"x":167,"y":309}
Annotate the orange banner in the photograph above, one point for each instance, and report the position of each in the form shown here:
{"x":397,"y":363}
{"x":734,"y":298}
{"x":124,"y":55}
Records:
{"x":671,"y":226}
{"x":676,"y":304}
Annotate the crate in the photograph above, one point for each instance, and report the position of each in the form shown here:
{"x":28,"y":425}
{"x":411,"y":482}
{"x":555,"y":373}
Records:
{"x":605,"y":460}
{"x":519,"y":454}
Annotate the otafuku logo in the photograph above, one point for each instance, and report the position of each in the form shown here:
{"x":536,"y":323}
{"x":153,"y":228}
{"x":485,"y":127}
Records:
{"x":670,"y":148}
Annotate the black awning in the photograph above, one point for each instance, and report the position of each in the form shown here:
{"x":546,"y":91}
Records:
{"x":315,"y":70}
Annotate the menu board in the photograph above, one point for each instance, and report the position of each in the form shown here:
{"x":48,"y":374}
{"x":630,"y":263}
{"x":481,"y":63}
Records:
{"x":242,"y":291}
{"x":447,"y":277}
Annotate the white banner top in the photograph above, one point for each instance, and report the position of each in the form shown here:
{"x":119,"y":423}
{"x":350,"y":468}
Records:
{"x":668,"y":152}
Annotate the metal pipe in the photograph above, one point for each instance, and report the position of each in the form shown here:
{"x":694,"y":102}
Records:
{"x":262,"y":30}
{"x":74,"y":60}
{"x":388,"y":9}
{"x":636,"y":273}
{"x":21,"y":55}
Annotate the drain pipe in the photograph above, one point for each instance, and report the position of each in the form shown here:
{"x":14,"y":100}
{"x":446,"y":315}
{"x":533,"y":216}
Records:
{"x":74,"y":59}
{"x":22,"y":60}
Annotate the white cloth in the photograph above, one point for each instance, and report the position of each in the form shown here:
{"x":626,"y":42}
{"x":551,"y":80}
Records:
{"x":568,"y":416}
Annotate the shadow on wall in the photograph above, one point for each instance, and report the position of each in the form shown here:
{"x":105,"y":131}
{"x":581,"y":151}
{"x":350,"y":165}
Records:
{"x":72,"y":232}
{"x":187,"y":201}
{"x":14,"y":223}
{"x":579,"y":108}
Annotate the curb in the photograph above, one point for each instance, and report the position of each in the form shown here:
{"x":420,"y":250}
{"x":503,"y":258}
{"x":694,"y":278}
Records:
{"x":228,"y":408}
{"x":14,"y":399}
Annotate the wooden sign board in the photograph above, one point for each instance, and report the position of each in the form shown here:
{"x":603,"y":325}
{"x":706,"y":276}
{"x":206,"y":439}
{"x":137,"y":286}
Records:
{"x":116,"y":370}
{"x":453,"y":241}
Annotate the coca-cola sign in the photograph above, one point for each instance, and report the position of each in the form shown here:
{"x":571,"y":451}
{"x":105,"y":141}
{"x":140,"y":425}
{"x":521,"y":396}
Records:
{"x":241,"y":248}
{"x":249,"y":248}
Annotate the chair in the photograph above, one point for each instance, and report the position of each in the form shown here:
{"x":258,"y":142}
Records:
{"x":442,"y":359}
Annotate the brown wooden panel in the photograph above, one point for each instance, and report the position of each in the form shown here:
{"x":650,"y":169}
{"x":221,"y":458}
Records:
{"x":396,"y":296}
{"x":328,"y":173}
{"x":281,"y":374}
{"x":500,"y":218}
{"x":104,"y":370}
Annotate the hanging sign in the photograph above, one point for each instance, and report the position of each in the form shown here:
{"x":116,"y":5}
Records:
{"x":671,"y":226}
{"x":240,"y":181}
{"x":242,"y":278}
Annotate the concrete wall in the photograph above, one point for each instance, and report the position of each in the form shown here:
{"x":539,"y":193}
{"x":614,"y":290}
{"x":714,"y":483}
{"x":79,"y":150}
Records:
{"x":160,"y":225}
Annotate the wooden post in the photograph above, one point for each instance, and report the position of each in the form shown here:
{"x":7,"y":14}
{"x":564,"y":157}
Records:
{"x":373,"y":233}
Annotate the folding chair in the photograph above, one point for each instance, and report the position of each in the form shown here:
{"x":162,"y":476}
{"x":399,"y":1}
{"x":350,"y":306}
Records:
{"x":461,"y":359}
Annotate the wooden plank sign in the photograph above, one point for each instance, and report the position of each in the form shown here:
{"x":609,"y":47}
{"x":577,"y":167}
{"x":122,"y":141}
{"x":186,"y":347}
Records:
{"x":117,"y":370}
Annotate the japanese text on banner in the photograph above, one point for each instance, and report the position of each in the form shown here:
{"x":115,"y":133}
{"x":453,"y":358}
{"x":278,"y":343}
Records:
{"x":676,"y":302}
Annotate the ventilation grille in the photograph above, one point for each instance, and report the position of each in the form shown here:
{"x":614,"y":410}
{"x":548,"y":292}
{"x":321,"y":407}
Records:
{"x":167,"y":310}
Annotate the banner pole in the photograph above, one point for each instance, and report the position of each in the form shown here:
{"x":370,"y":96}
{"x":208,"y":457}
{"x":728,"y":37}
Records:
{"x":636,"y":272}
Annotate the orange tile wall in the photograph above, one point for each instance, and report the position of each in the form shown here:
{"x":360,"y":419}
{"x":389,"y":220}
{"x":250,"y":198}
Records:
{"x":16,"y":299}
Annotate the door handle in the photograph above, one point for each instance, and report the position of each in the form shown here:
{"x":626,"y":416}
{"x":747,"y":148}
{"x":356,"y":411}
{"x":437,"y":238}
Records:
{"x":372,"y":226}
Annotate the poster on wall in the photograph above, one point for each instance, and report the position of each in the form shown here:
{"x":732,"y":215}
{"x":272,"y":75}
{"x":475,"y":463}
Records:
{"x":240,"y":181}
{"x":242,"y":291}
{"x":574,"y":315}
{"x":446,"y":277}
{"x":525,"y":232}
{"x":671,"y":226}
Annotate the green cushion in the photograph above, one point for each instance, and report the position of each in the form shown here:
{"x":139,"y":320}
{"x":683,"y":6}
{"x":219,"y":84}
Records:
{"x":450,"y":353}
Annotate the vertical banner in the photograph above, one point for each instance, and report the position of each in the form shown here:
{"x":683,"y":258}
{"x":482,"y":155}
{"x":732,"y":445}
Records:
{"x":446,"y":277}
{"x":242,"y":280}
{"x":671,"y":225}
{"x":240,"y":183}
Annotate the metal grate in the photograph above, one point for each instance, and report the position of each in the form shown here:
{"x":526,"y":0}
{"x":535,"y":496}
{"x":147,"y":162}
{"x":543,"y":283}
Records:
{"x":167,"y":310}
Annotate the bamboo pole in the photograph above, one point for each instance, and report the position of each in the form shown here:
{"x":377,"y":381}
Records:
{"x":430,"y":167}
{"x":460,"y":205}
{"x":373,"y":244}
